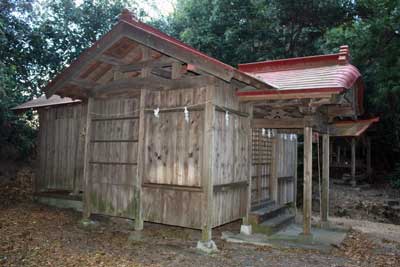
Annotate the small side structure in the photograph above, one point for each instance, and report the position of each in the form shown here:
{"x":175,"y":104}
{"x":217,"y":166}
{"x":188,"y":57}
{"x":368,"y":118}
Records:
{"x":150,"y":129}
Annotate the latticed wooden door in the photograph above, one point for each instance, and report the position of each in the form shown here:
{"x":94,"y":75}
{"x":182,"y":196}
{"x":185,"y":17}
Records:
{"x":261,"y":168}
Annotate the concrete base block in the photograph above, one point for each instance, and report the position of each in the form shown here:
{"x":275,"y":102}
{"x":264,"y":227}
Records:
{"x":87,"y":223}
{"x":135,"y":236}
{"x":306,"y":238}
{"x":246,"y":229}
{"x":207,"y":246}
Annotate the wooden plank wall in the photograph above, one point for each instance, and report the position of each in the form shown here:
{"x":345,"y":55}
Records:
{"x":61,"y":146}
{"x":171,"y":190}
{"x":286,"y":153}
{"x":261,"y":167}
{"x":113,"y":155}
{"x":230,"y":157}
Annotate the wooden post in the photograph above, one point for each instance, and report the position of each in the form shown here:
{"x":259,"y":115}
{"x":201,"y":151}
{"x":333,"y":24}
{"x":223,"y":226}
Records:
{"x":369,"y":169}
{"x":273,"y":182}
{"x":295,"y":176}
{"x":307,"y":187}
{"x":246,"y":220}
{"x":86,"y":174}
{"x":353,"y":161}
{"x":207,"y":171}
{"x":325,"y":179}
{"x":338,"y":154}
{"x":140,"y":164}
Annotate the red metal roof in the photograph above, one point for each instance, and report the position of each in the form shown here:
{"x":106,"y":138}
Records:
{"x":127,"y":18}
{"x":316,"y":72}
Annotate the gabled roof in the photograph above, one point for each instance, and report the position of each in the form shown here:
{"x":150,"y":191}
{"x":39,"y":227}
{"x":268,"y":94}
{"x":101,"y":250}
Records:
{"x":323,"y":74}
{"x":43,"y":101}
{"x":124,"y":37}
{"x":315,"y":72}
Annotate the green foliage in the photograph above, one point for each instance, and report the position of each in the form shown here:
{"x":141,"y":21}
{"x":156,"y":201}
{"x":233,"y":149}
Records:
{"x":374,"y":40}
{"x":243,"y":31}
{"x":37,"y":40}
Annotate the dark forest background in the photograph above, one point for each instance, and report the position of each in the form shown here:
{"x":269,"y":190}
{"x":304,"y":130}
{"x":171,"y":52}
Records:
{"x":39,"y":38}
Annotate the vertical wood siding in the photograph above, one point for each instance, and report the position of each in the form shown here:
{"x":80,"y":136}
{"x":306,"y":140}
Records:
{"x":61,"y":147}
{"x":172,"y":191}
{"x":113,"y":156}
{"x":286,"y":153}
{"x":230,"y":157}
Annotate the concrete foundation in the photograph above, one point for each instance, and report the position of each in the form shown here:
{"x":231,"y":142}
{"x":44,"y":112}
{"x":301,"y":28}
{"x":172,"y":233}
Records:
{"x":246,"y":229}
{"x":207,"y":246}
{"x":60,"y":202}
{"x":291,"y":237}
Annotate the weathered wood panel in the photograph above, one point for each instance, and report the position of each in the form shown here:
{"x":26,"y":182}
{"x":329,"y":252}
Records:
{"x":230,"y":156}
{"x":60,"y":147}
{"x":113,"y":156}
{"x":286,"y":154}
{"x":172,"y":181}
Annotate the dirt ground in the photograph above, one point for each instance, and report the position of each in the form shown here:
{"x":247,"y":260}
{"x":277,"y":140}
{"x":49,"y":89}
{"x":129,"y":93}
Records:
{"x":37,"y":235}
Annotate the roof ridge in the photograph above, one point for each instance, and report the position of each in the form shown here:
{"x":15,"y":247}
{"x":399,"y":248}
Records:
{"x":340,"y":58}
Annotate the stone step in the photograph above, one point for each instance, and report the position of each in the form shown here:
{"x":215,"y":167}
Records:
{"x":263,"y":204}
{"x":269,"y":212}
{"x":275,"y":224}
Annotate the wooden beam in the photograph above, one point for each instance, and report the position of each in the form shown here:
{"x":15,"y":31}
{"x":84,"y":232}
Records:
{"x":265,"y":97}
{"x":111,"y":60}
{"x":83,"y":84}
{"x":84,"y":59}
{"x":307,"y":187}
{"x":86,"y":158}
{"x":325,"y":179}
{"x":278,"y":123}
{"x":157,"y":43}
{"x":150,"y":63}
{"x":150,"y":83}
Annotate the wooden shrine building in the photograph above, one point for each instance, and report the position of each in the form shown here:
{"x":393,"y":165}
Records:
{"x":145,"y":127}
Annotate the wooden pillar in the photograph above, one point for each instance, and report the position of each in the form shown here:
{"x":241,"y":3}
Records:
{"x":353,"y":160}
{"x":369,"y":168}
{"x":86,"y":174}
{"x":338,"y":154}
{"x":246,"y":220}
{"x":273,"y":181}
{"x":307,"y":187}
{"x":295,"y":176}
{"x":140,"y":164}
{"x":325,"y":178}
{"x":207,"y":181}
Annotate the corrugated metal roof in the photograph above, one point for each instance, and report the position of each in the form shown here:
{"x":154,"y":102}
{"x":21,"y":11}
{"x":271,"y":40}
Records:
{"x":42,"y":101}
{"x":326,"y":71}
{"x":336,"y":76}
{"x":351,"y":128}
